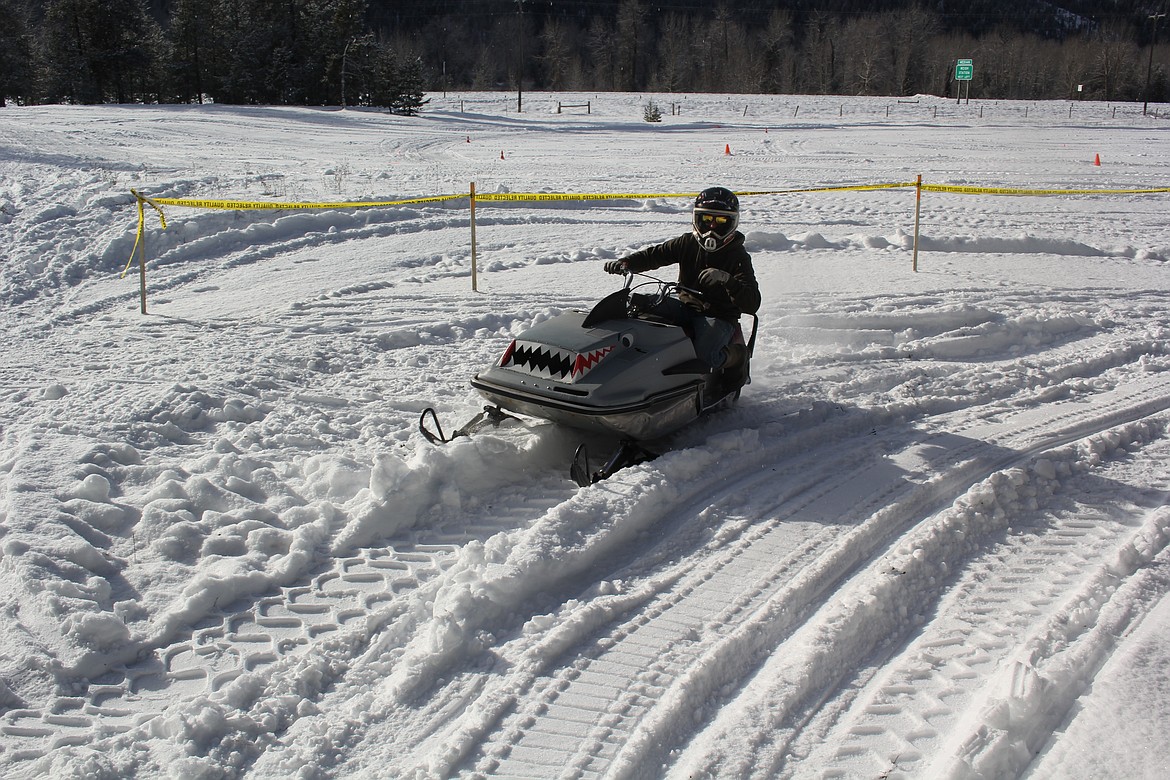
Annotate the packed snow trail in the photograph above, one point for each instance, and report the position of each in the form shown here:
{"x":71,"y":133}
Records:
{"x":741,"y":597}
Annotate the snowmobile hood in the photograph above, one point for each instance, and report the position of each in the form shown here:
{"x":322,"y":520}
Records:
{"x":560,"y":351}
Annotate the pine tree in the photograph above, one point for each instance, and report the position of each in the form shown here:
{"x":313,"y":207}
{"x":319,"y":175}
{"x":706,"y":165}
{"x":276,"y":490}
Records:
{"x":397,"y":86}
{"x":191,"y":36}
{"x":98,"y":50}
{"x":15,"y":73}
{"x":410,"y":97}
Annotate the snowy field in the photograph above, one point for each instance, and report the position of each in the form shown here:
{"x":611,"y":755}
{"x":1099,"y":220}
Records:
{"x":929,"y":541}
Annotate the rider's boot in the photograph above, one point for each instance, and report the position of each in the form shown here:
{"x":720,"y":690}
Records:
{"x":733,"y":372}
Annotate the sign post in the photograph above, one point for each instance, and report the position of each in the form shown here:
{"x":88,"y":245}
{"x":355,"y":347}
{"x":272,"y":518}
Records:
{"x":964,"y":71}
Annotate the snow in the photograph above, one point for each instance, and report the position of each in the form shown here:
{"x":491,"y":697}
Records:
{"x":930,"y":540}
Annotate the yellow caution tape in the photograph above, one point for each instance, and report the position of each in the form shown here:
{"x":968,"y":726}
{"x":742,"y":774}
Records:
{"x":835,"y":188}
{"x":556,"y":196}
{"x":561,"y":196}
{"x":248,"y":205}
{"x":139,"y":237}
{"x":965,"y":190}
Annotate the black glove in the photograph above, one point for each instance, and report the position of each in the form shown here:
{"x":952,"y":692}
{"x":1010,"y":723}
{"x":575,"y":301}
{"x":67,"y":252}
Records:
{"x":617,"y":267}
{"x":713,"y":277}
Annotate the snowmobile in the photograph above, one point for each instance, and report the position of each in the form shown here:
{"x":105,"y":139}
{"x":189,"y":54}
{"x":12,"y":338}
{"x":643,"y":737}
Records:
{"x":618,"y":369}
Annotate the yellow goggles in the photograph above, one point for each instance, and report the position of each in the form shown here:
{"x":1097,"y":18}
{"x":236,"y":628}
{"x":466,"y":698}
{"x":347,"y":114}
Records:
{"x":713,"y":220}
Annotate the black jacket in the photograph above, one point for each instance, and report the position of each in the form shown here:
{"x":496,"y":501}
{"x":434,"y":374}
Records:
{"x":740,"y":295}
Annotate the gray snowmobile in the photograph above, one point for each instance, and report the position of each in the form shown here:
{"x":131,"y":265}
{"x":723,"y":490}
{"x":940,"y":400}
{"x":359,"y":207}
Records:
{"x":617,"y":370}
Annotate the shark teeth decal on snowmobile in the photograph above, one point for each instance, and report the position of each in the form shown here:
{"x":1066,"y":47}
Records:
{"x":542,"y":361}
{"x":559,"y":365}
{"x":585,"y":363}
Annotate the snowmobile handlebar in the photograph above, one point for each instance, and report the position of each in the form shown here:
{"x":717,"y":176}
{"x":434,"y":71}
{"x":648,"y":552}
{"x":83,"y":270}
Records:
{"x":665,"y":287}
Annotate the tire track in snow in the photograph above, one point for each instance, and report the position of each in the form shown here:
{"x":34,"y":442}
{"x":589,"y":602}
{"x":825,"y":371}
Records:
{"x":783,"y":721}
{"x":633,"y":733}
{"x":920,"y":709}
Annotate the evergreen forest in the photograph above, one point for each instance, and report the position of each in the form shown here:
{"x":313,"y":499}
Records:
{"x":389,"y":53}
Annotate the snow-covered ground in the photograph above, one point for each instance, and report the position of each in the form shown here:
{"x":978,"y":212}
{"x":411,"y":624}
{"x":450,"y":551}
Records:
{"x":929,"y":541}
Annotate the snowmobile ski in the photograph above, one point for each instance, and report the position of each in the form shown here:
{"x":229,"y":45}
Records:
{"x":629,"y":453}
{"x":491,"y":415}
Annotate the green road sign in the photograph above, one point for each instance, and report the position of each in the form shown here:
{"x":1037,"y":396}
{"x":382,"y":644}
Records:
{"x":964,"y":70}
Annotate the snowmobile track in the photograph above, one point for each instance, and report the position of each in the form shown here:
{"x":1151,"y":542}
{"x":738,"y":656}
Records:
{"x":904,"y":717}
{"x":758,"y":591}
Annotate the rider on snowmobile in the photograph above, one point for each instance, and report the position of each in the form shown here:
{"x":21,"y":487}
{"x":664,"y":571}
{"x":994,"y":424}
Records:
{"x":711,"y":259}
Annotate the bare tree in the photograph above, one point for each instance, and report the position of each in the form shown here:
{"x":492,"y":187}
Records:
{"x":675,"y":57}
{"x":908,"y":31}
{"x":778,"y":50}
{"x":556,"y":54}
{"x":602,"y":55}
{"x":741,"y":65}
{"x":819,"y":55}
{"x":1114,"y":64}
{"x":630,"y":21}
{"x":869,"y":66}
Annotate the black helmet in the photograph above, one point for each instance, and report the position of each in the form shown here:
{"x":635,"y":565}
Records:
{"x":715,"y":217}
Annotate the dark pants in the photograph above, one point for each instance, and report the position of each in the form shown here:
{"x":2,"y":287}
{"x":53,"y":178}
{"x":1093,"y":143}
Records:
{"x":711,"y":334}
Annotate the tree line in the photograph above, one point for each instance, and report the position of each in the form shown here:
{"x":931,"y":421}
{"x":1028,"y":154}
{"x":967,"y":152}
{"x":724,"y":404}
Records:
{"x":387,"y":53}
{"x":281,"y":52}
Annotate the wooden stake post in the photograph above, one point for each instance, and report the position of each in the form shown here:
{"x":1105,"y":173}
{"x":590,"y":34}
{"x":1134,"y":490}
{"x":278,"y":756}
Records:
{"x":142,"y":272}
{"x":917,"y":215}
{"x":474,"y":281}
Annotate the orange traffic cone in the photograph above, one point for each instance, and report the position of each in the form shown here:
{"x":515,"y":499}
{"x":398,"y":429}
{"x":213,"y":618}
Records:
{"x":1097,"y":160}
{"x":727,"y":149}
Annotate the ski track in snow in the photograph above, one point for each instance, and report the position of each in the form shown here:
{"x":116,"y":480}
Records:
{"x":931,"y":521}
